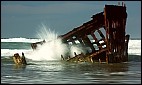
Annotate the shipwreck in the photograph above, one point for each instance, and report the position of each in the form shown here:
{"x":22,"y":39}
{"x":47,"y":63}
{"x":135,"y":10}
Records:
{"x":111,"y":43}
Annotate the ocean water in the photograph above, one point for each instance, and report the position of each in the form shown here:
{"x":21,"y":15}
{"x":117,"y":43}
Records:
{"x":44,"y":66}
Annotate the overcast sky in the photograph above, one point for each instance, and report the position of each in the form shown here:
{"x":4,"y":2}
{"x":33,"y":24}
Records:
{"x":24,"y":18}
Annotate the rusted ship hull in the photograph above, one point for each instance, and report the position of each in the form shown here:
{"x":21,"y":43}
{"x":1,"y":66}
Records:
{"x":105,"y":35}
{"x":112,"y":44}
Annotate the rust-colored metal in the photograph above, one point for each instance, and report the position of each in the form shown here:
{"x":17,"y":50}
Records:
{"x":34,"y":45}
{"x":115,"y":44}
{"x":112,"y":44}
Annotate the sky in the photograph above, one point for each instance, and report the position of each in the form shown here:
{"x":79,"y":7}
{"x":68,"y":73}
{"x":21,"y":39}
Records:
{"x":25,"y":18}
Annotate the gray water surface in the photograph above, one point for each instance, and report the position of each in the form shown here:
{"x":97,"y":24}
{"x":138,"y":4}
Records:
{"x":57,"y":72}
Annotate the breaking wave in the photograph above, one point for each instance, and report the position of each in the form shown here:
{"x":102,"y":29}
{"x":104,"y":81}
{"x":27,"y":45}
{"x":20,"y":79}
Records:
{"x":54,"y":48}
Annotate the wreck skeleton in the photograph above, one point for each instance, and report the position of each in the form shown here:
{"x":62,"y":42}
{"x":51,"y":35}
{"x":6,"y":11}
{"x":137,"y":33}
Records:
{"x":113,"y":45}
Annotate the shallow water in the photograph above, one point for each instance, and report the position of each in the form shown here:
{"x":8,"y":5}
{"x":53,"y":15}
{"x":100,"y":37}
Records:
{"x":57,"y":72}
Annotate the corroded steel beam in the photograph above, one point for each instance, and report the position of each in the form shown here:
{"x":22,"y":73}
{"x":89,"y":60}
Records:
{"x":113,"y":20}
{"x":111,"y":46}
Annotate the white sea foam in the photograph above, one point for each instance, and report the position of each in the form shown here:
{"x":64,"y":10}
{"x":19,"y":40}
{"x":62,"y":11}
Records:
{"x":11,"y":52}
{"x":134,"y":48}
{"x":54,"y":48}
{"x":20,"y":40}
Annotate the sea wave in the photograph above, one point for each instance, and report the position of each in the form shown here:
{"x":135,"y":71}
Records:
{"x":11,"y":52}
{"x":20,"y":40}
{"x":134,"y":46}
